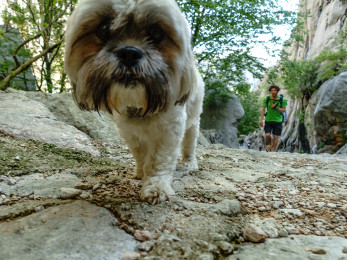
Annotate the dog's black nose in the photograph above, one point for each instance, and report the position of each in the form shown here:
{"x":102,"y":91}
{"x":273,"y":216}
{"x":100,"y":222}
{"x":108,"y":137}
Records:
{"x":129,"y":55}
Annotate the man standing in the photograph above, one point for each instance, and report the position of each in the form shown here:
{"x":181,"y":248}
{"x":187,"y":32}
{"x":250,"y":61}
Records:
{"x":275,"y":105}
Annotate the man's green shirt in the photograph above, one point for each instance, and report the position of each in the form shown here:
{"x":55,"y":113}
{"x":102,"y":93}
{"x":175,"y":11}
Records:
{"x":273,"y":115}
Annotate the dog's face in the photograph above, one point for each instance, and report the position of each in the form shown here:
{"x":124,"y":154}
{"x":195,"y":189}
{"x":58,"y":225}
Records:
{"x":129,"y":56}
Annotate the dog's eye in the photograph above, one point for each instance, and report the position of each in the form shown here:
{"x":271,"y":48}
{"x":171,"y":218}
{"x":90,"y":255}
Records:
{"x":103,"y":31}
{"x":156,"y":34}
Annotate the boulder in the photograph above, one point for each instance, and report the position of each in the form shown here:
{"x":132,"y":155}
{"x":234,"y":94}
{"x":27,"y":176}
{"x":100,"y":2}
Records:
{"x":98,"y":126}
{"x":329,"y":116}
{"x":219,"y":122}
{"x":342,"y":150}
{"x":24,"y":118}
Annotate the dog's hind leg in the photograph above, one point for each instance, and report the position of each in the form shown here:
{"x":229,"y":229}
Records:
{"x":189,"y":146}
{"x":139,"y":153}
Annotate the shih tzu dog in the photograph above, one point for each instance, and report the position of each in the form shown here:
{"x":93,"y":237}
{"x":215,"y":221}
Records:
{"x":133,"y":59}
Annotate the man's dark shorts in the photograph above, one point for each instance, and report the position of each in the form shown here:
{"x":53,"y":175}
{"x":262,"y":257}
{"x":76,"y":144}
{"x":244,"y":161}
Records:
{"x":273,"y":127}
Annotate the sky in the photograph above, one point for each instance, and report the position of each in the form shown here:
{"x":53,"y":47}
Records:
{"x":281,"y":31}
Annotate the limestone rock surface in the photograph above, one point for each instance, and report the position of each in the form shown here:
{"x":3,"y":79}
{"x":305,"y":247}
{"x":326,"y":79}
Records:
{"x":78,"y":230}
{"x":219,"y":122}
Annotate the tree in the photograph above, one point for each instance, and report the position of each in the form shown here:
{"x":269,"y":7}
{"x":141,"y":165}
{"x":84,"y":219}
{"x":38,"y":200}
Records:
{"x":251,"y":105}
{"x":224,"y":31}
{"x":41,"y":25}
{"x":11,"y":56}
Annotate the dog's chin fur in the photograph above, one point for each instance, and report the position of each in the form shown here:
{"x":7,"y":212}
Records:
{"x":133,"y":59}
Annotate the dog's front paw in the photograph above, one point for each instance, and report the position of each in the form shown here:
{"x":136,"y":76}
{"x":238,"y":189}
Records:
{"x":191,"y":163}
{"x":156,"y":193}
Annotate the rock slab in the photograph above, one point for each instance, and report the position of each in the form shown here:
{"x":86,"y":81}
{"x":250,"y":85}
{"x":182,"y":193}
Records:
{"x":294,"y":247}
{"x":63,"y":232}
{"x":24,"y":118}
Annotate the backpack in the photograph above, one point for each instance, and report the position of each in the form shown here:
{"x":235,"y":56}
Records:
{"x":284,"y":114}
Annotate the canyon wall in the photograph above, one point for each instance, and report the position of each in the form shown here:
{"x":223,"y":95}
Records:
{"x":324,"y":127}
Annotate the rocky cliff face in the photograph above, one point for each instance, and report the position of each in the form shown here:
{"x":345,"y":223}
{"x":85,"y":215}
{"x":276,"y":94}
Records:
{"x":326,"y":18}
{"x":324,"y":129}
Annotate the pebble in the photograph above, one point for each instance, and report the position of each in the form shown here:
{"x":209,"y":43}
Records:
{"x":254,"y":234}
{"x":143,"y":235}
{"x":292,"y":230}
{"x":8,"y":181}
{"x":96,"y":186}
{"x":229,"y":207}
{"x":146,"y":246}
{"x":225,"y":247}
{"x":318,"y":251}
{"x":270,"y":230}
{"x":206,"y":256}
{"x":85,"y":195}
{"x":309,"y":212}
{"x":331,"y":205}
{"x":344,"y":250}
{"x":283,"y":233}
{"x":320,"y":204}
{"x":83,"y":185}
{"x":168,"y":237}
{"x":131,"y":256}
{"x":295,"y":212}
{"x":69,"y":193}
{"x":39,"y":208}
{"x":277,"y":204}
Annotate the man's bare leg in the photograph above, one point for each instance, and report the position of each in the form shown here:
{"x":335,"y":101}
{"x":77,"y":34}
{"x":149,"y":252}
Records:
{"x":275,"y":143}
{"x":268,"y":140}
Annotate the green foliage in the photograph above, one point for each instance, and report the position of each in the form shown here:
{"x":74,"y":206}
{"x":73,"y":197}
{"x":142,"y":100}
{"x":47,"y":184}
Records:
{"x":321,"y":145}
{"x":216,"y":90}
{"x":344,"y":137}
{"x":222,"y":34}
{"x":333,"y":62}
{"x":299,"y":77}
{"x":7,"y":63}
{"x":299,"y":32}
{"x":251,"y":105}
{"x":42,"y":27}
{"x":302,"y":77}
{"x":301,"y":115}
{"x":223,"y":31}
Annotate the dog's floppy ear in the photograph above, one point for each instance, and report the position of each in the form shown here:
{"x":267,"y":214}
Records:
{"x":189,"y":80}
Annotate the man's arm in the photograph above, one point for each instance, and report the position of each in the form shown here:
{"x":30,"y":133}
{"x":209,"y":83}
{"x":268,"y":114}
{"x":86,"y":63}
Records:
{"x":281,"y":109}
{"x":262,"y":116}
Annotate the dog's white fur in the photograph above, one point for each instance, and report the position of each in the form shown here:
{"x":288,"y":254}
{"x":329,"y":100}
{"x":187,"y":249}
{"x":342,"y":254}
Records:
{"x":154,"y":138}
